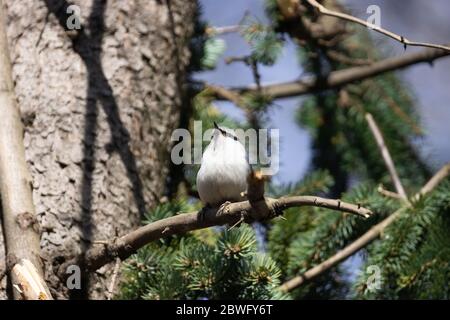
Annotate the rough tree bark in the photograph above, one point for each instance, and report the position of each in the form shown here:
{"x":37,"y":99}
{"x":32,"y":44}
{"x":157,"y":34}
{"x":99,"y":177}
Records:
{"x":99,"y":105}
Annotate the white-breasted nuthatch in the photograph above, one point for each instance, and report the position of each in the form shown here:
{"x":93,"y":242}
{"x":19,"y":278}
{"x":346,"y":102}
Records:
{"x":224,"y":169}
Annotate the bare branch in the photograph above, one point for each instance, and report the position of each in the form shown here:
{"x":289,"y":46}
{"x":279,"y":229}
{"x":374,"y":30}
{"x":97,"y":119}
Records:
{"x":365,"y":239}
{"x":443,"y":173}
{"x":388,"y":193}
{"x":339,"y":57}
{"x":30,"y":285}
{"x":341,"y":77}
{"x":232,"y":59}
{"x":374,"y":27}
{"x":222,"y":30}
{"x":267,"y":208}
{"x":386,"y":156}
{"x":226,"y":94}
{"x":21,"y":228}
{"x":235,"y":98}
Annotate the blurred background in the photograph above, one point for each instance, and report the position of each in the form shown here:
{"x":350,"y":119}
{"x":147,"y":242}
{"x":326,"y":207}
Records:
{"x":429,"y":85}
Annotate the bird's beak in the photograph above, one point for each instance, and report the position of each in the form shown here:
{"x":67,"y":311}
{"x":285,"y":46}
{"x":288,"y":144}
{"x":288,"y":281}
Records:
{"x":218,"y":128}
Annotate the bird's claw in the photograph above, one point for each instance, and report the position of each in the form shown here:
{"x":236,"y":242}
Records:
{"x":222,"y":207}
{"x":202,"y":213}
{"x":277,"y":211}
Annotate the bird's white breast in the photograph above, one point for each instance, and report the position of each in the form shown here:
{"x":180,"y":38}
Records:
{"x":223,"y":172}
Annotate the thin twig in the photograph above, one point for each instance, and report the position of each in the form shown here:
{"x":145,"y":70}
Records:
{"x":443,"y":173}
{"x":232,"y":59}
{"x":256,"y":75}
{"x":386,"y":156}
{"x":388,"y":193}
{"x":236,"y":224}
{"x":98,"y":242}
{"x":342,"y":58}
{"x":374,"y":27}
{"x":365,"y":239}
{"x":339,"y":78}
{"x":222,"y":30}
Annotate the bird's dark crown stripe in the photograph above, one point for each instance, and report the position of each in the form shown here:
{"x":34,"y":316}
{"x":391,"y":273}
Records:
{"x":225,"y":133}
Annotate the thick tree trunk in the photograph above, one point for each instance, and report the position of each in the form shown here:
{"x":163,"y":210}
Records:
{"x":99,"y":105}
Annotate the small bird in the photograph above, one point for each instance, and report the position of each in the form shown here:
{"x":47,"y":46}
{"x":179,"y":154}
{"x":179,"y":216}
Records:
{"x":224,"y":169}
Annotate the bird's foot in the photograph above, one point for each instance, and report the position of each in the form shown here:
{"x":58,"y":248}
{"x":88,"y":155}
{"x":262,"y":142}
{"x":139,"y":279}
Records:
{"x":222,"y":207}
{"x":202,"y":212}
{"x":277,"y":211}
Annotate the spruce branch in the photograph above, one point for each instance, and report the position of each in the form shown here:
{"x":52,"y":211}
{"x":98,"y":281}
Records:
{"x":257,"y":208}
{"x":340,"y":78}
{"x":374,"y":27}
{"x":386,"y":155}
{"x":366,"y":238}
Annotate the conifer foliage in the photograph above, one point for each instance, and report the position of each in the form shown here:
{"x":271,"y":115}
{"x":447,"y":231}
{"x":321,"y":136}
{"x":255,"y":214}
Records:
{"x":207,"y":264}
{"x":412,"y":253}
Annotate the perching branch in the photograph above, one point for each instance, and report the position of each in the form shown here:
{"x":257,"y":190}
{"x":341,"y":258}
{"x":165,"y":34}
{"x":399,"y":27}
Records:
{"x":21,"y":229}
{"x":257,"y":208}
{"x":341,"y":77}
{"x":365,"y":239}
{"x":386,"y":156}
{"x":374,"y":27}
{"x":126,"y":245}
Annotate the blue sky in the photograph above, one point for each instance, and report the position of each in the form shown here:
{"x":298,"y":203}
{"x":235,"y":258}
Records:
{"x":430,"y":86}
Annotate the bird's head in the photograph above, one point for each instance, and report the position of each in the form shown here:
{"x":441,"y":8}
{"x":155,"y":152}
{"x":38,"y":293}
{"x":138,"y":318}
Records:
{"x":223,"y":133}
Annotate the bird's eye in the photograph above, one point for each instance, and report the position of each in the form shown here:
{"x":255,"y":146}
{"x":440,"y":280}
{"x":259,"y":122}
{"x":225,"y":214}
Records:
{"x":235,"y":138}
